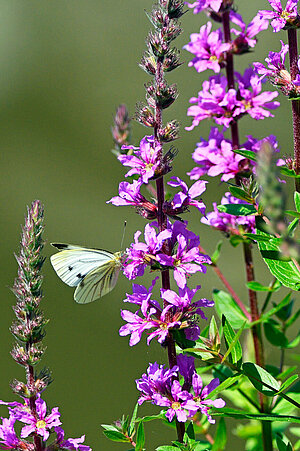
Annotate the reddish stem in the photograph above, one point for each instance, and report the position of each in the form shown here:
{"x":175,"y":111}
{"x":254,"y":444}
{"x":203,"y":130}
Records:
{"x":293,"y":53}
{"x":162,"y":224}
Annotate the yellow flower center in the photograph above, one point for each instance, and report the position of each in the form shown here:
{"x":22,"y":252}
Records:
{"x":213,"y":58}
{"x":285,"y":15}
{"x":175,"y":405}
{"x":40,"y":424}
{"x":247,"y":105}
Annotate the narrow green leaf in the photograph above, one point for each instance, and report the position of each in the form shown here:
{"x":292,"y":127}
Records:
{"x":283,"y":442}
{"x":292,"y":319}
{"x":232,"y":341}
{"x":285,"y":272}
{"x":159,"y":416}
{"x":294,"y":343}
{"x":257,"y":375}
{"x":292,"y":226}
{"x":288,"y":382}
{"x":256,"y":286}
{"x":216,"y":255}
{"x":235,"y":413}
{"x":140,"y":437}
{"x":239,"y":193}
{"x":286,"y":373}
{"x":224,"y":385}
{"x":237,"y":209}
{"x":220,"y":437}
{"x":225,"y":303}
{"x":133,"y":418}
{"x":167,"y":448}
{"x":293,"y":213}
{"x":256,"y":237}
{"x":288,"y":172}
{"x":275,"y":336}
{"x":285,"y":301}
{"x":116,"y":436}
{"x":246,"y":153}
{"x":297,"y":200}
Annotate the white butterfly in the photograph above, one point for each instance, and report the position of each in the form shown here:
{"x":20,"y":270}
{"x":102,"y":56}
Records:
{"x":93,"y":271}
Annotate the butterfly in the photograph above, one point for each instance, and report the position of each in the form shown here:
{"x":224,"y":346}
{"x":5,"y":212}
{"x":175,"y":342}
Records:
{"x":93,"y":271}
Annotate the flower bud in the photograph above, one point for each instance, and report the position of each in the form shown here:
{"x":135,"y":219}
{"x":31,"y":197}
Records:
{"x":145,"y":116}
{"x":171,"y":60}
{"x":170,"y":132}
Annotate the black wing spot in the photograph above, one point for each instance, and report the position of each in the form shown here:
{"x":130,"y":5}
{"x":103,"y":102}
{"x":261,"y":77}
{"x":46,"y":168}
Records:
{"x":80,"y":276}
{"x":70,"y":268}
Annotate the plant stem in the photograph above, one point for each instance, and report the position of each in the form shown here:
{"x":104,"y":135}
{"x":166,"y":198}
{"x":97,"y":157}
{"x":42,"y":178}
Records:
{"x":293,"y":53}
{"x":256,"y":330}
{"x":162,"y":224}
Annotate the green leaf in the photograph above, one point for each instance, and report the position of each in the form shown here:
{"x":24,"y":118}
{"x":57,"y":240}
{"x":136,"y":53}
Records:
{"x":235,"y":240}
{"x":246,"y":153}
{"x":275,"y":336}
{"x":167,"y":448}
{"x":293,"y":213}
{"x":285,"y":272}
{"x":234,"y":348}
{"x":256,"y":286}
{"x":257,"y":375}
{"x":237,"y":209}
{"x":255,"y":237}
{"x":224,"y":385}
{"x":283,"y":443}
{"x":294,"y":343}
{"x":220,"y":437}
{"x":292,"y":319}
{"x":297,"y":200}
{"x":285,"y":301}
{"x":235,"y":413}
{"x":159,"y":416}
{"x":239,"y":193}
{"x":116,"y":436}
{"x":292,"y":226}
{"x":190,"y":431}
{"x":286,"y":372}
{"x":140,"y":437}
{"x":225,"y":303}
{"x":133,"y":418}
{"x":288,"y":172}
{"x":216,"y":255}
{"x":288,"y":382}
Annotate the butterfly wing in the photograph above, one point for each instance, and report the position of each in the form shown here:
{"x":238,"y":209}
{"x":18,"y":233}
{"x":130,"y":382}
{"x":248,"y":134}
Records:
{"x":74,"y":263}
{"x":98,"y":282}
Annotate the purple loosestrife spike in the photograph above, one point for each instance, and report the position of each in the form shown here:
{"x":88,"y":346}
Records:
{"x":208,"y":48}
{"x":281,"y":18}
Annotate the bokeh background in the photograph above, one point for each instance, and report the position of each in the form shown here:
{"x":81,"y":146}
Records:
{"x":65,"y":66}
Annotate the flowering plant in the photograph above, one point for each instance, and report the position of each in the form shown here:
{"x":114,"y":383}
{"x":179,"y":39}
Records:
{"x":215,"y":369}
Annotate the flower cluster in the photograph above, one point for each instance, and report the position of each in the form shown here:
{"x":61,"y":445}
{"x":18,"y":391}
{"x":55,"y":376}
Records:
{"x":225,"y":106}
{"x":281,"y":18}
{"x":229,"y":224}
{"x":161,"y":387}
{"x":41,"y":423}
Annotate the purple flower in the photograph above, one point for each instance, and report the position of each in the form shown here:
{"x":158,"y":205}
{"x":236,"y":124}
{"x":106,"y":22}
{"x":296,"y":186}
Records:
{"x":246,"y":37}
{"x":229,"y":224}
{"x":208,"y":48}
{"x":180,"y":405}
{"x":40,"y":424}
{"x":157,"y":381}
{"x":280,"y":17}
{"x":254,"y":102}
{"x":71,"y":443}
{"x":202,"y":393}
{"x":136,"y":325}
{"x":187,"y":196}
{"x":145,"y":161}
{"x":142,"y":254}
{"x":187,"y":259}
{"x":214,"y":101}
{"x":215,"y":157}
{"x":201,"y":5}
{"x":8,"y":437}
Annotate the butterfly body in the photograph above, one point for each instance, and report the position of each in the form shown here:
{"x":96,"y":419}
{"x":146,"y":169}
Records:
{"x":94,"y":272}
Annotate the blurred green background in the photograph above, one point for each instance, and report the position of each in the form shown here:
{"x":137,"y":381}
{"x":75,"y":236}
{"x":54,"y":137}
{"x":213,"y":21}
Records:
{"x":66,"y":65}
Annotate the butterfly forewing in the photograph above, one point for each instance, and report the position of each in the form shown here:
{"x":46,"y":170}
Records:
{"x":73,"y":263}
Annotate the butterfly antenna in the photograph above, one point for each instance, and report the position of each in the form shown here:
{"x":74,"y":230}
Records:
{"x":123,"y":236}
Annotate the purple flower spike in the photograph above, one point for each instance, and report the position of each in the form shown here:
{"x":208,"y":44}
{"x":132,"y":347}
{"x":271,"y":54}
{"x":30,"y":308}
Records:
{"x":186,"y":197}
{"x":145,"y":161}
{"x":157,"y":382}
{"x":208,"y":48}
{"x":281,"y":17}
